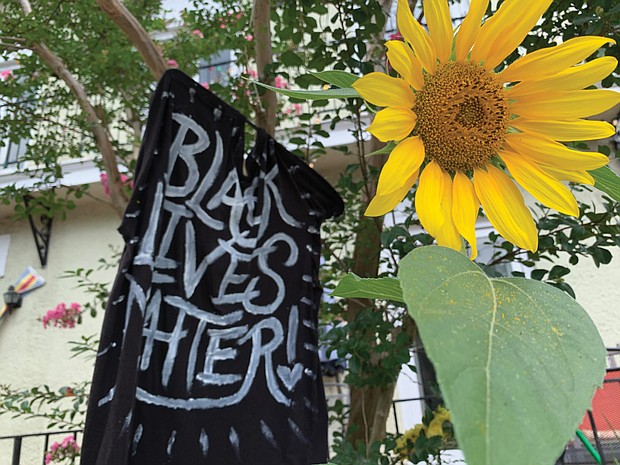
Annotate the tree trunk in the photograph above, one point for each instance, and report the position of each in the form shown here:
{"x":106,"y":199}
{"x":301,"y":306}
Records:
{"x":266,"y":112}
{"x":370,"y":406}
{"x":137,"y":35}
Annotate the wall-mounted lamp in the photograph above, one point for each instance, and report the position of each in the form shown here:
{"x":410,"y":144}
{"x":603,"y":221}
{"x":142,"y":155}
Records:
{"x":12,"y":299}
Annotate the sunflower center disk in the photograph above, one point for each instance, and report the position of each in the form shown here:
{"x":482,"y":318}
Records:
{"x":462,"y":115}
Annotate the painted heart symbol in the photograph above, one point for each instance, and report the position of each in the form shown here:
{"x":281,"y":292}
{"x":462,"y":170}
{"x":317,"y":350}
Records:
{"x":290,"y":377}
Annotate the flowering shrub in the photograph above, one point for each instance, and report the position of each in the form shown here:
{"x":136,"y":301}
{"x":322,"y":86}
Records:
{"x":124,"y":178}
{"x":63,"y":316}
{"x":427,"y":438}
{"x":59,"y":451}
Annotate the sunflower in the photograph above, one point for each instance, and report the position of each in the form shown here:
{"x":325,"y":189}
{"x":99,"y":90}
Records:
{"x":470,"y":128}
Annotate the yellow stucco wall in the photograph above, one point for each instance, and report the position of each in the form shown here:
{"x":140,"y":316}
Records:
{"x":29,"y":354}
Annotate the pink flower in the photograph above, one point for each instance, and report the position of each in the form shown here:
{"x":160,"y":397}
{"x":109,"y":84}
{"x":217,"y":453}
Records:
{"x":280,"y":83}
{"x":396,"y":36}
{"x":239,"y":15}
{"x":172,"y":63}
{"x":62,"y":317}
{"x":249,"y":37}
{"x":253,"y":74}
{"x":5,"y":74}
{"x":297,"y":107}
{"x":205,"y":85}
{"x":197,"y":33}
{"x":106,"y":182}
{"x":59,"y":452}
{"x":222,"y":26}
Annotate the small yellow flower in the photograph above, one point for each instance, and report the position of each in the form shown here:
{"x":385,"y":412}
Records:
{"x":435,"y":427}
{"x":462,"y":124}
{"x":405,"y":443}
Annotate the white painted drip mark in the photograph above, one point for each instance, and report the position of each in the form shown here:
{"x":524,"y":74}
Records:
{"x":173,"y":437}
{"x":107,"y":398}
{"x":127,"y":422}
{"x":233,"y":437}
{"x":204,"y":443}
{"x":112,"y":345}
{"x":311,"y":347}
{"x":297,"y":432}
{"x":309,"y":324}
{"x":136,"y":439}
{"x":268,"y":434}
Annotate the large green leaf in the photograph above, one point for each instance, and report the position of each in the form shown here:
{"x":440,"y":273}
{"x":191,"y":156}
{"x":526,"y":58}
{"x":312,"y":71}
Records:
{"x":517,"y":360}
{"x":607,"y":181}
{"x":313,"y":94}
{"x":352,"y":286}
{"x":337,"y":78}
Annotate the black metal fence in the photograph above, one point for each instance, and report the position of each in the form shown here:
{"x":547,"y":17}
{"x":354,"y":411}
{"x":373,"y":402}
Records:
{"x":41,"y":443}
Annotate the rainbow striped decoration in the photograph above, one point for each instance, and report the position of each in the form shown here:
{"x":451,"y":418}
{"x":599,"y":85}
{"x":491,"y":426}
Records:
{"x":28,"y":281}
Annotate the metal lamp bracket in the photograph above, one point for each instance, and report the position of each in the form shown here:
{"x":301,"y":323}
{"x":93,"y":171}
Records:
{"x":41,"y":231}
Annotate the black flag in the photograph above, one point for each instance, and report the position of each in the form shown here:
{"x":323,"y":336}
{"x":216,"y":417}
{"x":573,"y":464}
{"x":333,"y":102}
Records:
{"x":208,"y":352}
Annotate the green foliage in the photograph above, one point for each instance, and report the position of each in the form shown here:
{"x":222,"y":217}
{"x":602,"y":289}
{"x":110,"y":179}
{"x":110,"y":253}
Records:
{"x":376,"y":351}
{"x":369,"y":288}
{"x":36,"y":105}
{"x":63,"y":408}
{"x":490,"y":341}
{"x":99,"y":291}
{"x":314,"y":94}
{"x":608,"y":182}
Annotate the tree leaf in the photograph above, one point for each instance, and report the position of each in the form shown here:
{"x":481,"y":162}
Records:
{"x":607,"y":181}
{"x":337,"y":78}
{"x":312,"y":94}
{"x":368,"y":288}
{"x":387,"y":149}
{"x":517,"y":360}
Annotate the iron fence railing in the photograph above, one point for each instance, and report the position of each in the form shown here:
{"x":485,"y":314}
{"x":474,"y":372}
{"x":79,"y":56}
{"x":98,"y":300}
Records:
{"x":18,"y":442}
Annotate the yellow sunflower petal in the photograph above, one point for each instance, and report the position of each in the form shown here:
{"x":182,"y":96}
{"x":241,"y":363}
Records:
{"x":504,"y":207}
{"x":545,"y":188}
{"x":385,"y":91}
{"x":567,"y":131}
{"x":545,"y":151}
{"x":405,"y":159}
{"x":574,"y":78}
{"x":448,"y":235}
{"x":382,"y":204}
{"x":552,"y":60}
{"x":437,"y":14}
{"x":582,"y":177}
{"x":565,"y":105}
{"x":392,"y":124}
{"x":506,"y":29}
{"x":417,"y":37}
{"x":405,"y":63}
{"x":428,"y":198}
{"x":470,"y":27}
{"x":465,"y":207}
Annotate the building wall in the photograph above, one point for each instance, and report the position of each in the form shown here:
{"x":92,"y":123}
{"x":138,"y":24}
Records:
{"x":29,"y":354}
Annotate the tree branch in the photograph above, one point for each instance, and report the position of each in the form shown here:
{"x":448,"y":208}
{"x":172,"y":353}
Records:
{"x":137,"y":35}
{"x":117,"y":193}
{"x":266,"y":114}
{"x":57,"y":65}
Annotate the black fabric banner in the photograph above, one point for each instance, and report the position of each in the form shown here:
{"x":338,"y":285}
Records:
{"x":208,"y":352}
